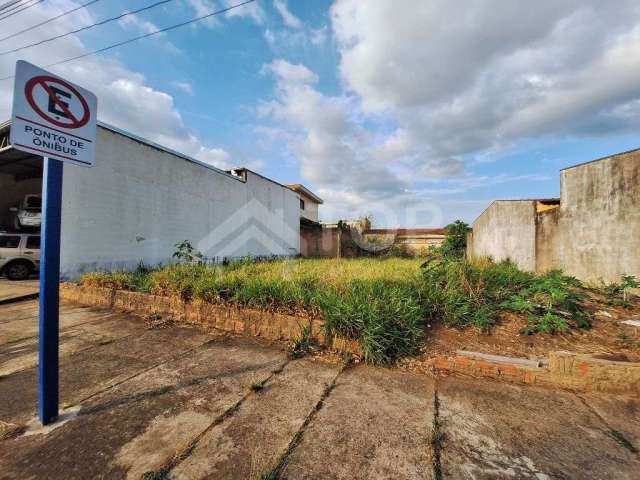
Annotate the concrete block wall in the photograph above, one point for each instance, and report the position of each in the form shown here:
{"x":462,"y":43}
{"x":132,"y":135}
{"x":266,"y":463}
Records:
{"x":547,"y":240}
{"x":506,"y":230}
{"x":594,"y":235}
{"x":138,"y":201}
{"x":319,"y":242}
{"x":599,"y":224}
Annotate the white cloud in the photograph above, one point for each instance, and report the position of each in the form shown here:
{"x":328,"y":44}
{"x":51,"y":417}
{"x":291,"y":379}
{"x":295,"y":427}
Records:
{"x":296,"y":34}
{"x":288,"y":40}
{"x":124,"y":97}
{"x":288,"y":73}
{"x":201,"y":8}
{"x":138,"y":23}
{"x":134,"y":22}
{"x":289,"y":19}
{"x":460,"y":82}
{"x":334,"y":151}
{"x":253,"y":11}
{"x":185,"y":87}
{"x":270,"y":37}
{"x":318,"y":36}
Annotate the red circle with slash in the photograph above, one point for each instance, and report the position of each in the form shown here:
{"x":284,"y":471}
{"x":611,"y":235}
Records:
{"x":45,"y":82}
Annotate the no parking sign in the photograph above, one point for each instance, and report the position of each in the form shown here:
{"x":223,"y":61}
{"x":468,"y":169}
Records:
{"x":53,"y":117}
{"x":57,"y":120}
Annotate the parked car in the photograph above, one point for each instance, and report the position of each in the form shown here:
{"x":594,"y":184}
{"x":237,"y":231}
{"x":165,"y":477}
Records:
{"x":19,"y":255}
{"x":28,"y":214}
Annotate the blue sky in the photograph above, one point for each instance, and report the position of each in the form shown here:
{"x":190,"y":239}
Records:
{"x":410,"y":111}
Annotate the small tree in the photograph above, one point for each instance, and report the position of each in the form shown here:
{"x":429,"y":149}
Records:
{"x":455,"y":243}
{"x":186,"y":253}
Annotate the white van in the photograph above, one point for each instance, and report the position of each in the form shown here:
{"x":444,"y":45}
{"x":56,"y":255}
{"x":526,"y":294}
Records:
{"x":19,"y":255}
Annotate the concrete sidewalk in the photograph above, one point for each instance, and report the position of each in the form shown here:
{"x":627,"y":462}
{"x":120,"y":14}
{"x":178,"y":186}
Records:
{"x":11,"y":291}
{"x":185,"y":404}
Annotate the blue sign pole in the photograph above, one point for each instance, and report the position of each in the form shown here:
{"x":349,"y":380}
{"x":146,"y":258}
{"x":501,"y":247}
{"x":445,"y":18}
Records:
{"x":49,"y":290}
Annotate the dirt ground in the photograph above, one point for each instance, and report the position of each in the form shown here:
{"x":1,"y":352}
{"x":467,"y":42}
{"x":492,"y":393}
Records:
{"x":608,"y":337}
{"x":173,"y":402}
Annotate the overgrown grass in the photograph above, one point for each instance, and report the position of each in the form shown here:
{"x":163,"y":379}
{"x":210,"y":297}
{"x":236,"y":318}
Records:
{"x":476,"y":294}
{"x":384,"y":303}
{"x":375,"y":300}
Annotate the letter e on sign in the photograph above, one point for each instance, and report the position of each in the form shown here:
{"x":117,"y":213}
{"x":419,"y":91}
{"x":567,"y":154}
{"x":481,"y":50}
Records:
{"x":52,"y":117}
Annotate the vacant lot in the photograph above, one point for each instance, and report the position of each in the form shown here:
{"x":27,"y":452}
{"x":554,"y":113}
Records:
{"x":174,"y":402}
{"x":399,"y":307}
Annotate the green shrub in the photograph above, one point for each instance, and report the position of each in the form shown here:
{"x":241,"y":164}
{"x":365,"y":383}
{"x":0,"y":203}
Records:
{"x":455,"y":242}
{"x":469,"y":294}
{"x":387,"y":317}
{"x":550,"y":301}
{"x":477,"y":293}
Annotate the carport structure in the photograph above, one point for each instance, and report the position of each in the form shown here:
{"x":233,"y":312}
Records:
{"x":20,"y":175}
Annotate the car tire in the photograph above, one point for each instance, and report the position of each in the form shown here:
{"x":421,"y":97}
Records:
{"x":18,"y":271}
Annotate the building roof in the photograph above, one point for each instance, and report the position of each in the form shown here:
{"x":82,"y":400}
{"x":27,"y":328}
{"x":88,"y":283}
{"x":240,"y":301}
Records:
{"x":149,"y":143}
{"x":5,"y":125}
{"x":299,"y":188}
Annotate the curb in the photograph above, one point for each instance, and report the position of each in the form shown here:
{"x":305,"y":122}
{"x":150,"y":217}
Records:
{"x":243,"y":321}
{"x":565,"y":370}
{"x":21,"y":298}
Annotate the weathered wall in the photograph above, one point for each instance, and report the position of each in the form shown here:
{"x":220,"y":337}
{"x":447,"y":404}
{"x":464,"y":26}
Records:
{"x":412,"y":241}
{"x":547,"y":240}
{"x":600,"y":218}
{"x":594,"y":235}
{"x":138,"y":201}
{"x":319,"y":241}
{"x":506,"y":230}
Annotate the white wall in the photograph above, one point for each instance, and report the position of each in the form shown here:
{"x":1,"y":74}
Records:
{"x":310,"y":208}
{"x":137,"y":202}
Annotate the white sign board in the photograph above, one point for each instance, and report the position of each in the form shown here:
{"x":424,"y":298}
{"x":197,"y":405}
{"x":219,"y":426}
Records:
{"x":53,"y":117}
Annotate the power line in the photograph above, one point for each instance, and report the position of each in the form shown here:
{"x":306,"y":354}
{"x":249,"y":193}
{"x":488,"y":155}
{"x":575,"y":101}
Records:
{"x":24,"y":7}
{"x":81,"y":29}
{"x":146,"y":35}
{"x":6,"y":5}
{"x":48,"y":20}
